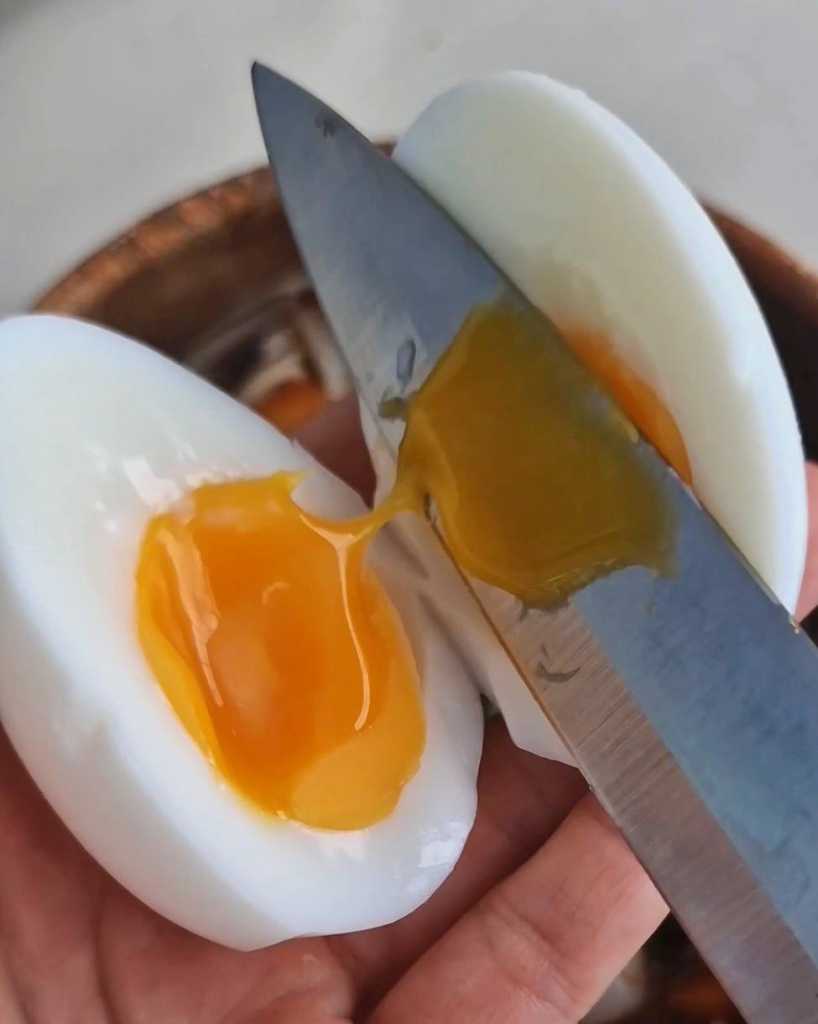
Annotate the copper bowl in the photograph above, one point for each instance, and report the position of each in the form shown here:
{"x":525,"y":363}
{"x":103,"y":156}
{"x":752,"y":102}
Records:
{"x":207,"y":273}
{"x":215,"y":281}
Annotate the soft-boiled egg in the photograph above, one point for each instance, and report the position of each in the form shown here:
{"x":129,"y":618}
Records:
{"x":257,"y":728}
{"x":109,"y":437}
{"x":601,"y":235}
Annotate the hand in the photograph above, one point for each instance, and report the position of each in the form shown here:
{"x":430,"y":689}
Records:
{"x":545,"y":907}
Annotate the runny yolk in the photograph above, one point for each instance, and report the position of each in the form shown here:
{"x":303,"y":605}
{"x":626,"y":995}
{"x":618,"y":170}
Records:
{"x":281,"y":654}
{"x":276,"y":645}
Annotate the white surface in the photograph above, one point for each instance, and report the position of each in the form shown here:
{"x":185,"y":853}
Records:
{"x":111,"y":108}
{"x":600,"y":234}
{"x":81,"y":706}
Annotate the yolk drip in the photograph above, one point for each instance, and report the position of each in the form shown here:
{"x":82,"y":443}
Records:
{"x":275,"y":644}
{"x":280,"y":653}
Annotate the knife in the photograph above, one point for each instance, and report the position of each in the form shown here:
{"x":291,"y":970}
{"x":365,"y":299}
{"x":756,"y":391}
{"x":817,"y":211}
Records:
{"x":691,"y":704}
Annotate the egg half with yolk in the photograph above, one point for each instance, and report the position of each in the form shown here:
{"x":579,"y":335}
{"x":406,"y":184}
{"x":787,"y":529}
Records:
{"x":248,"y":815}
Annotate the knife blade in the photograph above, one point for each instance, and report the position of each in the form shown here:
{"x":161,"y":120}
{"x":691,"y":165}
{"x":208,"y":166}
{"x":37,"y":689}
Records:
{"x":690,"y":702}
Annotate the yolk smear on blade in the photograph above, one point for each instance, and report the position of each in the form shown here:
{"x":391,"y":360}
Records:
{"x":276,"y":645}
{"x":281,"y":653}
{"x":534,"y":475}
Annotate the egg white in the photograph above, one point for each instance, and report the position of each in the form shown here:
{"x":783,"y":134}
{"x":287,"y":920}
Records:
{"x":600,"y":234}
{"x":101,"y":434}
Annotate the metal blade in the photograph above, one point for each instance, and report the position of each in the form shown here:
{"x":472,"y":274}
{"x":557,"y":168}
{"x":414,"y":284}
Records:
{"x":689,"y":702}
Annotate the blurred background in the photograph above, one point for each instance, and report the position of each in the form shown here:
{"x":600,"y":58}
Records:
{"x":110,"y":108}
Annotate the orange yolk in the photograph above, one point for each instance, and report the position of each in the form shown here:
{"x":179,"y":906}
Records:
{"x":281,"y":653}
{"x":276,"y":645}
{"x":635,"y":397}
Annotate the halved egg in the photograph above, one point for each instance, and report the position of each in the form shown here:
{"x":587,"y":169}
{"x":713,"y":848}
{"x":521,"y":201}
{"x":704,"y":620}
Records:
{"x":601,"y":235}
{"x":109,"y":437}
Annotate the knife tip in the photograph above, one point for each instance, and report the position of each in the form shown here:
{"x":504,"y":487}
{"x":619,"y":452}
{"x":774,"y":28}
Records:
{"x":273,"y":84}
{"x":258,"y":71}
{"x":269,"y":89}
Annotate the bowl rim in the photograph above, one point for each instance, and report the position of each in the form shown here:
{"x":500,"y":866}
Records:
{"x":192,"y":219}
{"x":205,"y":213}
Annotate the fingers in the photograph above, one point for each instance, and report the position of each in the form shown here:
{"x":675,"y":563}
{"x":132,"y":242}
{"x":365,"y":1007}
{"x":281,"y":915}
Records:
{"x":544,"y":944}
{"x":809,"y":587}
{"x":522,"y":799}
